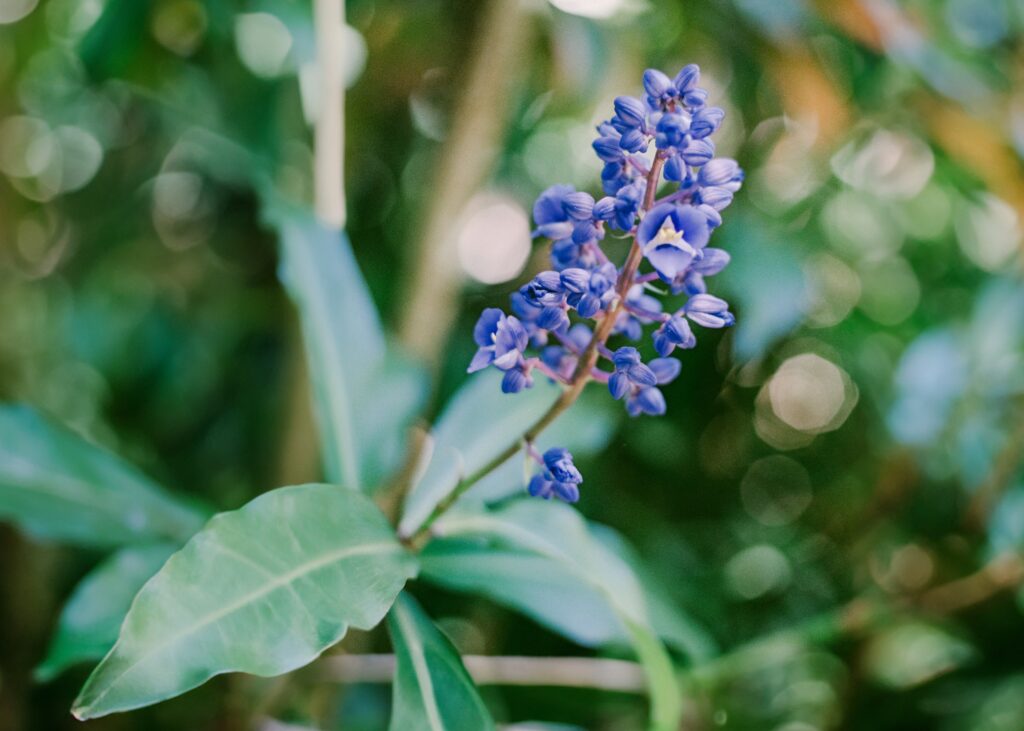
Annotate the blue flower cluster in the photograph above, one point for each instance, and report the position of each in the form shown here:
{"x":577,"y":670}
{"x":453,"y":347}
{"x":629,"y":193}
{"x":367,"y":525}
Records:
{"x":660,"y":142}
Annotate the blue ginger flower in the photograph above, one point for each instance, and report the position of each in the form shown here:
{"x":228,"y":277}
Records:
{"x":670,"y":235}
{"x":501,"y":340}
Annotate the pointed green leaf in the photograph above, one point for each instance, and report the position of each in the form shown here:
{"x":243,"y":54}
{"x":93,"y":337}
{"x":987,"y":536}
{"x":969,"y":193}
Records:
{"x":557,"y":533}
{"x":92,"y":617}
{"x":365,"y":396}
{"x":263,"y":589}
{"x":478,"y":424}
{"x":58,"y":486}
{"x":432,"y":690}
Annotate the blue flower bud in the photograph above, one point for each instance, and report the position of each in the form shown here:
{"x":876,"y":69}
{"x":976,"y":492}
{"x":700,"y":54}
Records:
{"x":706,"y":122}
{"x":666,"y":369}
{"x":575,"y":280}
{"x":713,"y":216}
{"x":618,"y":385}
{"x":559,"y":462}
{"x":607,"y":148}
{"x":578,"y":205}
{"x":641,"y":375}
{"x":662,"y":343}
{"x":720,"y":171}
{"x":709,"y":311}
{"x":711,"y":261}
{"x":548,"y":208}
{"x":695,"y":98}
{"x":604,"y":209}
{"x":588,"y":306}
{"x":580,"y":335}
{"x":567,"y":491}
{"x":540,"y":487}
{"x":584,"y":231}
{"x":565,"y":253}
{"x":549,"y":280}
{"x":687,"y":79}
{"x":633,"y":141}
{"x":625,"y":356}
{"x":630,"y":110}
{"x":646,"y":401}
{"x":556,"y":230}
{"x":657,"y":84}
{"x":675,"y":169}
{"x":515,"y":381}
{"x":552,"y":355}
{"x":671,"y":131}
{"x":554,"y":319}
{"x":698,"y":152}
{"x":717,"y":197}
{"x":603,"y":278}
{"x":678,"y":331}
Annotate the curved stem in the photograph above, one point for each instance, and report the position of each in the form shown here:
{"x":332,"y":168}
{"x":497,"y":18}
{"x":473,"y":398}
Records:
{"x":580,"y":377}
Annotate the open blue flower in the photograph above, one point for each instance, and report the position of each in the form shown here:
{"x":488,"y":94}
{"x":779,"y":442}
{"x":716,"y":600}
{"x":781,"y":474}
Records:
{"x":670,"y":235}
{"x":501,"y":340}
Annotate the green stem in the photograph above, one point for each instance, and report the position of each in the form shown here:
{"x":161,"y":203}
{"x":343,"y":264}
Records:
{"x":580,"y":377}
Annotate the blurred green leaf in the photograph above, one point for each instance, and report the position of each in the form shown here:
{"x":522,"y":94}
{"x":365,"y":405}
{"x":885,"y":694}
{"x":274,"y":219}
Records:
{"x":92,"y":617}
{"x":541,"y":589}
{"x":527,"y":582}
{"x":263,"y":589}
{"x":113,"y":43}
{"x":762,"y":266}
{"x":557,"y":532}
{"x":432,"y":690}
{"x":365,"y":396}
{"x":58,"y":486}
{"x":477,"y":425}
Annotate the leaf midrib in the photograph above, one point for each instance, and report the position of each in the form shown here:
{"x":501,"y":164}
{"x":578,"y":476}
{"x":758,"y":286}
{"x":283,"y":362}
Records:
{"x":283,"y":580}
{"x":419,"y":666}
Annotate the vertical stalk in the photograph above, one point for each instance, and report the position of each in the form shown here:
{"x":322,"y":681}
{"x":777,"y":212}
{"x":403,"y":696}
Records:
{"x":329,"y":134}
{"x":473,"y":143}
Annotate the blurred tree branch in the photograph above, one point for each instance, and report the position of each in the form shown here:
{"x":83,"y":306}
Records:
{"x":329,"y":190}
{"x":469,"y":154}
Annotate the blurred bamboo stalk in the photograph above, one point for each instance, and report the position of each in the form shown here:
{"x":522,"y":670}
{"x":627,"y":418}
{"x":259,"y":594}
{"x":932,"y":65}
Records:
{"x":470,"y":150}
{"x":621,"y":676}
{"x":329,"y":158}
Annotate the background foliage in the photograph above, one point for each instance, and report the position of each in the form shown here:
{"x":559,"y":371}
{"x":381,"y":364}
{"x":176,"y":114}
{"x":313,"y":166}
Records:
{"x":831,"y":515}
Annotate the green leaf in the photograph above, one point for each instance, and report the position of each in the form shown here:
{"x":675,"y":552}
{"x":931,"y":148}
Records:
{"x":541,"y":589}
{"x":557,"y":533}
{"x":90,"y":620}
{"x":365,"y":396}
{"x":263,"y":589}
{"x":114,"y":41}
{"x":58,"y":486}
{"x":527,"y":582}
{"x":432,"y":690}
{"x":478,"y":424}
